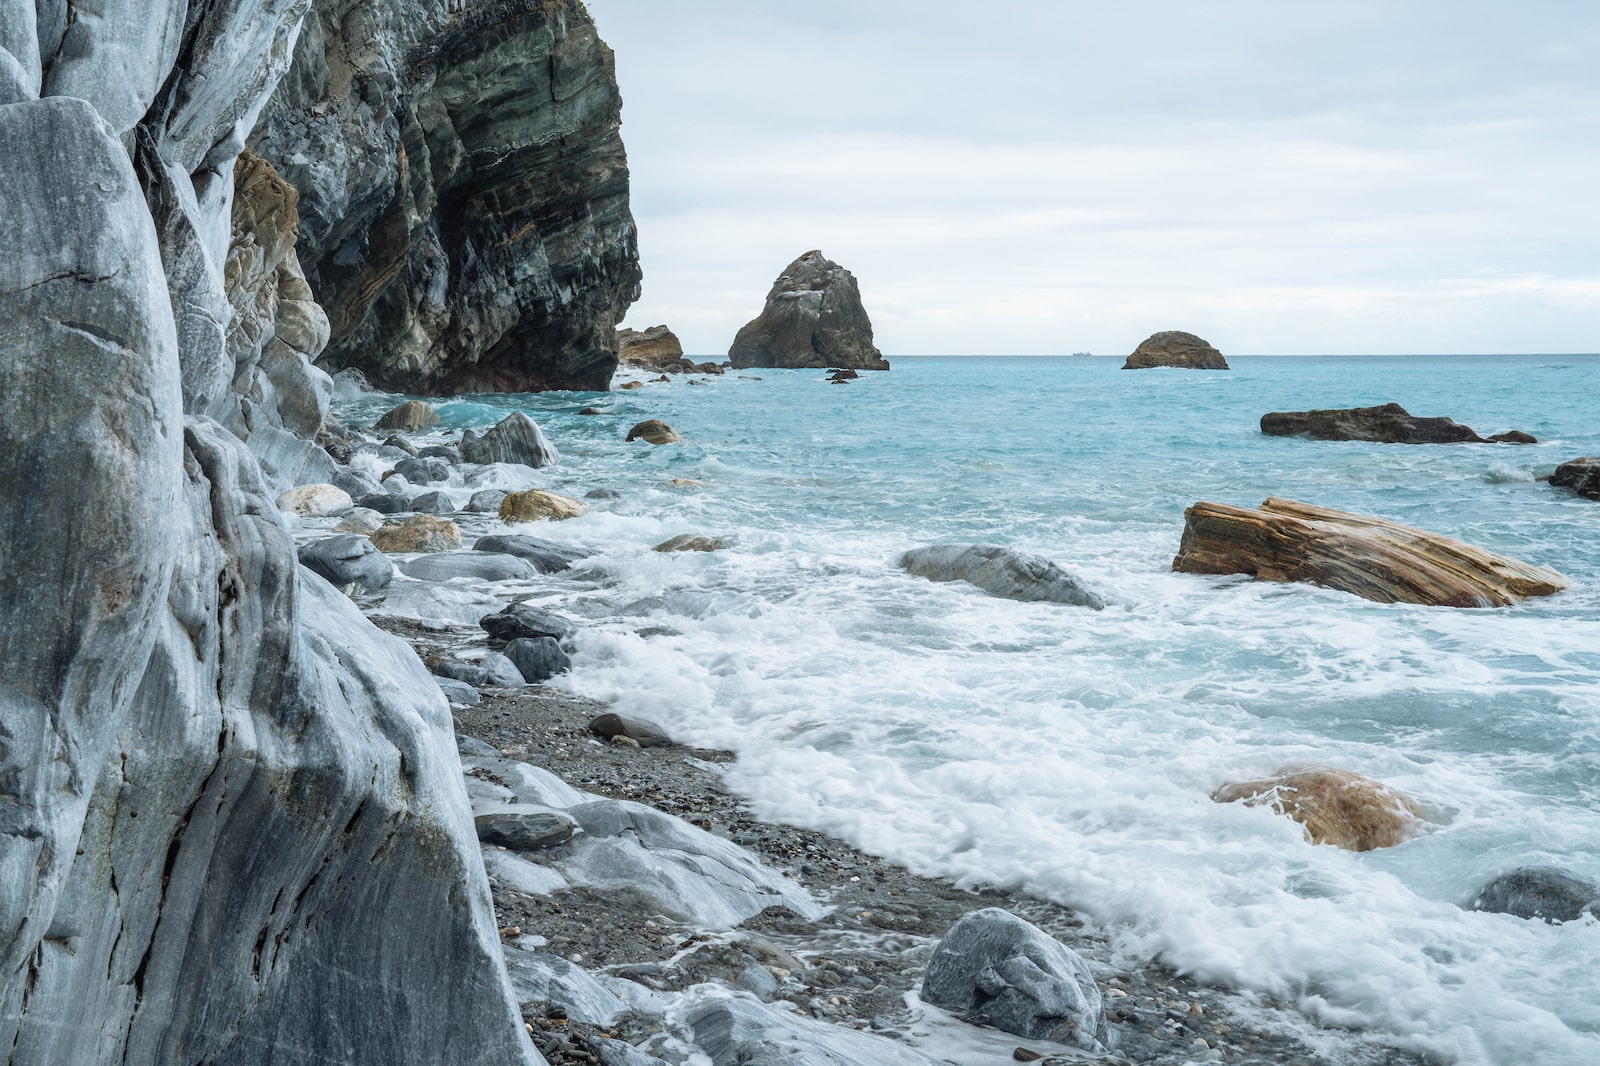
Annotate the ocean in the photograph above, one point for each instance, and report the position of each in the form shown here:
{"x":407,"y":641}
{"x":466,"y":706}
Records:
{"x":1072,"y":752}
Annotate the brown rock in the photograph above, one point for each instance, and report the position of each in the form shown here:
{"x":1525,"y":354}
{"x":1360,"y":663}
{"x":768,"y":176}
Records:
{"x":1175,"y":348}
{"x":650,"y":347}
{"x":654,"y":431}
{"x":536,"y":505}
{"x":631,"y":385}
{"x":411,"y":415}
{"x":1336,"y":807}
{"x":423,"y":533}
{"x":1283,"y":540}
{"x":688,"y":542}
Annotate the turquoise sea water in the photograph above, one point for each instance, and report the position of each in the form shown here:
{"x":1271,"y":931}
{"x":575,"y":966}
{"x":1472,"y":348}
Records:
{"x":1072,"y":752}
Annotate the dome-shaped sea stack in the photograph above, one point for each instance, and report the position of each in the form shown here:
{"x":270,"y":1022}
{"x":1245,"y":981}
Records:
{"x":1175,"y":348}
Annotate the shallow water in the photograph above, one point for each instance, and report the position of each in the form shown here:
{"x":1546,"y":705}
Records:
{"x":1071,"y":751}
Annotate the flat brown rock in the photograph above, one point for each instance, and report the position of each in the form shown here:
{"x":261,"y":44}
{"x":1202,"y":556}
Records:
{"x":1371,"y":557}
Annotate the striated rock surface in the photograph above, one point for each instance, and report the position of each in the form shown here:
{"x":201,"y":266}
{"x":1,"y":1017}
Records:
{"x":1373,"y":558}
{"x":1338,"y":807}
{"x":813,"y":318}
{"x":654,"y":347}
{"x":1385,"y":424}
{"x":1175,"y":348}
{"x":1002,"y":572}
{"x":464,"y":213}
{"x":1582,"y":476}
{"x":514,"y":439}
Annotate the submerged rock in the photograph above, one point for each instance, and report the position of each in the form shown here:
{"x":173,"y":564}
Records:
{"x":1373,"y":558}
{"x":649,"y":347}
{"x":653,"y":431}
{"x":345,"y":560}
{"x":514,"y":439}
{"x":537,"y":505}
{"x":1582,"y":476}
{"x":688,"y":542}
{"x":409,"y":416}
{"x":1016,"y":977}
{"x":1177,"y":349}
{"x":1336,"y":807}
{"x":423,"y":533}
{"x":1539,"y":892}
{"x":547,"y":556}
{"x":813,"y":318}
{"x":1386,"y":424}
{"x":1002,"y":572}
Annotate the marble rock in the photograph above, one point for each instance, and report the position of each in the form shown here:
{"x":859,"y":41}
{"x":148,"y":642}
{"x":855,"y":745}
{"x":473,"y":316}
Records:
{"x":1540,"y":892}
{"x":537,"y":505}
{"x":1002,"y":572}
{"x":422,"y":533}
{"x":514,"y":439}
{"x":525,"y":620}
{"x":473,"y":565}
{"x":741,"y":1032}
{"x":347,"y":559}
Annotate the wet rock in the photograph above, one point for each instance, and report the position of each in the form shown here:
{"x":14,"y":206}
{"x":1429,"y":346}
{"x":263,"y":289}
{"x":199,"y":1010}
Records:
{"x":653,"y":431}
{"x":1002,"y":572}
{"x":536,"y":505}
{"x":447,"y":452}
{"x":355,"y":483}
{"x":631,"y":385}
{"x":362,"y":520}
{"x":641,"y":731}
{"x":651,"y":347}
{"x":1513,"y":436}
{"x":474,"y":565}
{"x":383,"y":503}
{"x":1175,"y":348}
{"x":757,"y":981}
{"x":1283,"y":540}
{"x":514,"y":439}
{"x":591,"y":411}
{"x":741,"y":1032}
{"x":688,"y":542}
{"x":538,"y":659}
{"x":547,"y":556}
{"x":839,"y":377}
{"x":540,"y":978}
{"x":525,"y":620}
{"x":602,"y":494}
{"x":397,"y":443}
{"x":424,"y":533}
{"x":1385,"y":424}
{"x":485,"y":501}
{"x":458,"y":691}
{"x":1540,"y":892}
{"x":315,"y":501}
{"x":524,"y":827}
{"x":409,"y":416}
{"x":1335,"y":806}
{"x":432,"y":503}
{"x":423,"y":471}
{"x":1016,"y":977}
{"x":345,"y":560}
{"x":1582,"y":476}
{"x":813,"y":318}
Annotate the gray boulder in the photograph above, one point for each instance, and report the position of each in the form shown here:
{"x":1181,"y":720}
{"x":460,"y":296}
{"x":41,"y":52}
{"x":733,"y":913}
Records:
{"x":547,"y":556}
{"x":1582,"y":476}
{"x":641,"y":731}
{"x":423,"y":471}
{"x":432,"y":503}
{"x":347,"y":559}
{"x":458,"y":691}
{"x":500,"y":672}
{"x":355,"y":483}
{"x":742,"y":1032}
{"x":524,"y":827}
{"x":538,"y":658}
{"x":540,"y":978}
{"x":476,"y":565}
{"x":383,"y":503}
{"x":411,"y":415}
{"x":1539,"y":892}
{"x":449,"y":453}
{"x":525,"y":620}
{"x":486,"y":501}
{"x":1002,"y":572}
{"x":1016,"y":977}
{"x":813,"y":318}
{"x":515,"y":439}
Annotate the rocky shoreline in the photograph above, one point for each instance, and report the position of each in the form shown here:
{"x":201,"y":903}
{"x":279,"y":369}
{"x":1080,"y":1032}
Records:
{"x":858,"y":966}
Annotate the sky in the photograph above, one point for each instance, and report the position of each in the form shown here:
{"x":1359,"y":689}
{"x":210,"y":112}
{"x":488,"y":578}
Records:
{"x":1012,"y":177}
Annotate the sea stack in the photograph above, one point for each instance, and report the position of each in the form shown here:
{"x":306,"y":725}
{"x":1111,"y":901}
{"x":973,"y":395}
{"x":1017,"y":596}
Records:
{"x":655,"y":346}
{"x":813,"y":318}
{"x":1174,"y":347}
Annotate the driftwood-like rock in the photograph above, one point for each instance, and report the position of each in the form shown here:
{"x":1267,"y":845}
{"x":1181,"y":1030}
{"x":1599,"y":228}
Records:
{"x":1336,"y":807}
{"x":1385,"y":424}
{"x":1173,"y":347}
{"x":1371,"y":557}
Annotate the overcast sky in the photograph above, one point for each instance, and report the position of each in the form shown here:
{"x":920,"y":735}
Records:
{"x":1013,"y":177}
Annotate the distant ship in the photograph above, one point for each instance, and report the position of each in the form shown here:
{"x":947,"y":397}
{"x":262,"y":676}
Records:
{"x":1082,"y":355}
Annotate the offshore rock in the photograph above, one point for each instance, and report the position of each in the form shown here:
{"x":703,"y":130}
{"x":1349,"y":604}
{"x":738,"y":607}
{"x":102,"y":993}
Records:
{"x":652,"y":347}
{"x":1373,"y":558}
{"x":463,"y":191}
{"x":1541,"y":892}
{"x":1582,"y":476}
{"x":514,"y":439}
{"x":1016,"y":977}
{"x":813,"y":318}
{"x":409,"y":416}
{"x":1386,"y":424}
{"x":1175,"y":348}
{"x":653,"y":431}
{"x":1002,"y":572}
{"x":1336,"y":807}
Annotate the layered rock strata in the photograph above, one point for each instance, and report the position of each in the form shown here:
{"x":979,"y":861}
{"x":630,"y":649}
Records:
{"x":813,"y":318}
{"x":654,"y":347}
{"x":231,"y":823}
{"x":1385,"y":424}
{"x":1177,"y":349}
{"x":463,"y":188}
{"x":1373,"y":558}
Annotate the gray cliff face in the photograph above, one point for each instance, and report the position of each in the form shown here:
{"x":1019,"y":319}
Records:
{"x":463,"y":191}
{"x":813,"y":318}
{"x":232,"y":827}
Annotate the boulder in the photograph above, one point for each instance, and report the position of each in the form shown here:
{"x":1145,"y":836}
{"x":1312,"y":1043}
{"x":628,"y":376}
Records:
{"x":1582,"y":476}
{"x":500,"y":671}
{"x":355,"y":483}
{"x":839,"y":377}
{"x":315,"y":501}
{"x":1015,"y":976}
{"x":742,"y":1032}
{"x":653,"y":431}
{"x":592,"y":411}
{"x":362,"y":520}
{"x":1175,"y":348}
{"x":641,"y":731}
{"x":1002,"y":572}
{"x":423,"y":471}
{"x":396,"y":443}
{"x":514,"y":439}
{"x":1539,"y":892}
{"x":537,"y":505}
{"x":629,"y":386}
{"x":475,"y":565}
{"x":525,"y":620}
{"x":431,"y":503}
{"x":1335,"y":806}
{"x":1373,"y":558}
{"x":538,"y":659}
{"x":346,"y":560}
{"x":524,"y":827}
{"x":602,"y":494}
{"x":448,"y":452}
{"x":688,"y":542}
{"x":1385,"y":424}
{"x":485,"y":501}
{"x":458,"y":691}
{"x":813,"y":318}
{"x":1513,"y":436}
{"x":547,"y":556}
{"x":409,"y":416}
{"x":649,"y":347}
{"x":423,"y":533}
{"x":383,"y":503}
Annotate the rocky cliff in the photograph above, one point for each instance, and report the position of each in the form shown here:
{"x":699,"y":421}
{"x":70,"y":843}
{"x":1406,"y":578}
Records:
{"x":232,"y":827}
{"x":813,"y":318}
{"x":463,"y":191}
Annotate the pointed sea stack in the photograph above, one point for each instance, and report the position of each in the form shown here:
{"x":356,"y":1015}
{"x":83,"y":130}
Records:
{"x":1175,"y":348}
{"x":813,"y":318}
